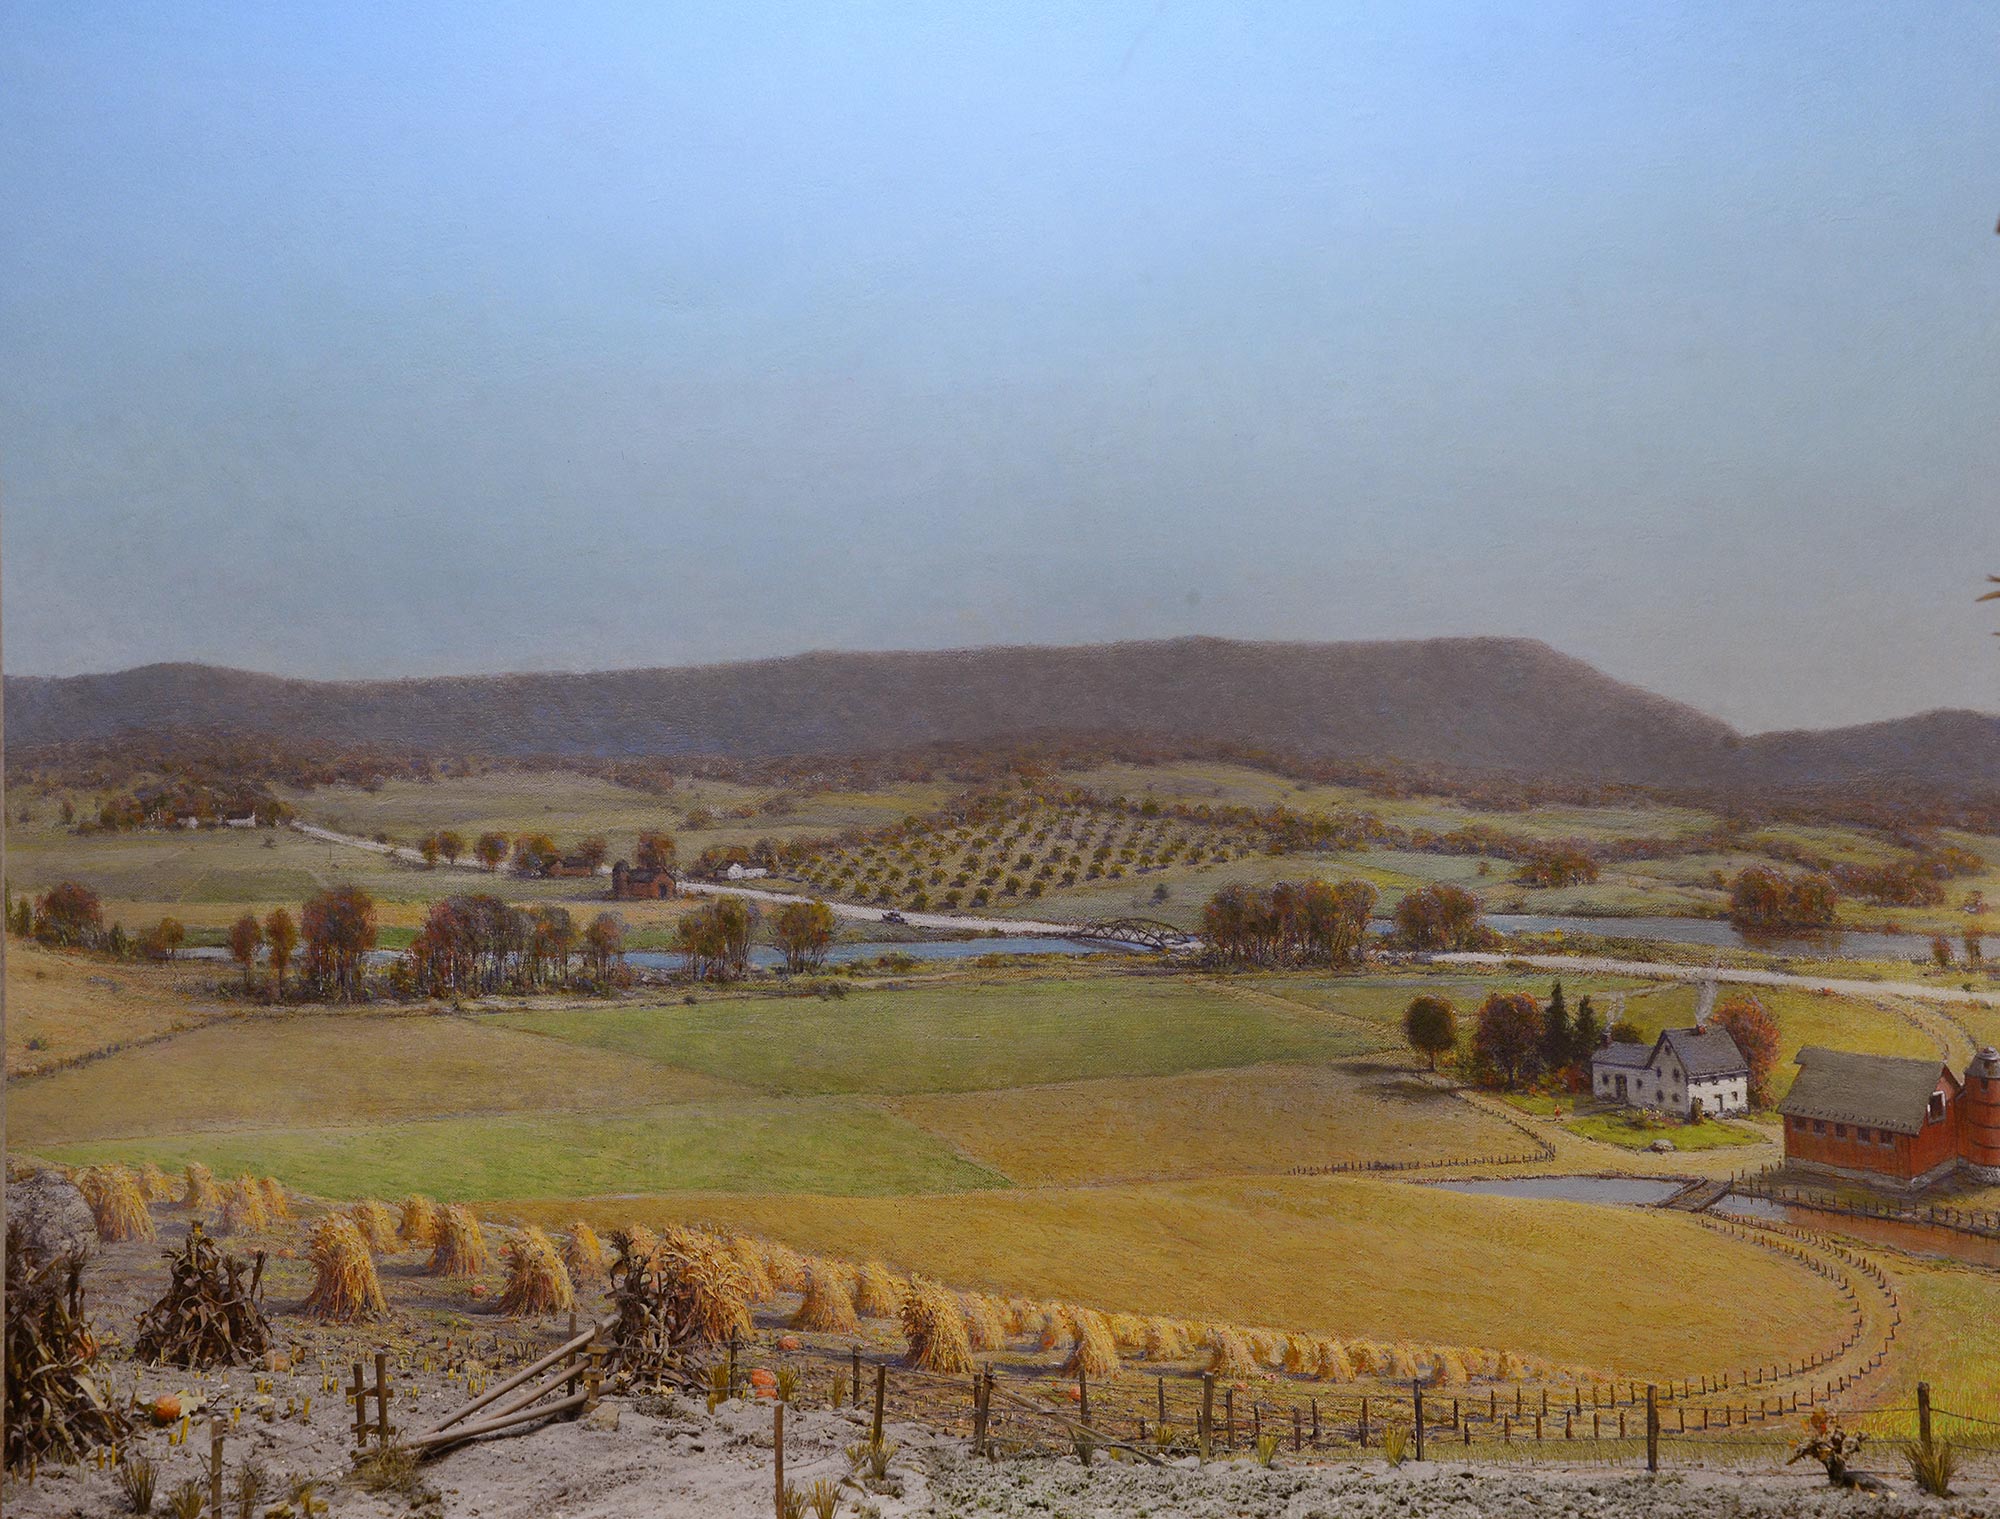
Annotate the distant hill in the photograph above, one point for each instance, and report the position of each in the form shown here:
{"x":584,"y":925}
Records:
{"x":1490,"y":704}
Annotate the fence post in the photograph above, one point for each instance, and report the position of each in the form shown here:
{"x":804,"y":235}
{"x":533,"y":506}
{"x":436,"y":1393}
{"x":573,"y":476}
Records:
{"x":778,"y":1450}
{"x":732,"y":1365}
{"x":1417,"y":1411}
{"x":359,"y":1393}
{"x":1652,"y":1428}
{"x":1924,"y":1414}
{"x":881,"y":1388}
{"x":1082,"y":1395}
{"x":855,"y":1351}
{"x":1315,"y":1408}
{"x":382,"y":1397}
{"x":1364,"y":1420}
{"x":215,"y":1467}
{"x":1229,"y":1416}
{"x":1161,"y":1389}
{"x":979,"y":1414}
{"x":1298,"y":1430}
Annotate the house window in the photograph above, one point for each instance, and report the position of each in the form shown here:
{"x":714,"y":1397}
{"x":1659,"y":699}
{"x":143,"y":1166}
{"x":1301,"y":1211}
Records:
{"x":1937,"y":1107}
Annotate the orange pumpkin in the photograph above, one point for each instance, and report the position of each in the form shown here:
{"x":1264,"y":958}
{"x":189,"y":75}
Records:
{"x":763,"y":1382}
{"x":165,"y":1409}
{"x":789,"y":1342}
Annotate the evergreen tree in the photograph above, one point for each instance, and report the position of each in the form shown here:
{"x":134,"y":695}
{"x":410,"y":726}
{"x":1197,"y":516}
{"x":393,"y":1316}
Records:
{"x":1586,"y":1033}
{"x":1557,"y":1050}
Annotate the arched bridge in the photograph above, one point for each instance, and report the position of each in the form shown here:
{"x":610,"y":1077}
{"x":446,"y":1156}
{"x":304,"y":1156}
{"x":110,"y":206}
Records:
{"x":1149,"y":932}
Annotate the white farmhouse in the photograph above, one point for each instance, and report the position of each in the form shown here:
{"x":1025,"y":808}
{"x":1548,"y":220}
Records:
{"x":741,"y":872}
{"x":1680,"y":1068}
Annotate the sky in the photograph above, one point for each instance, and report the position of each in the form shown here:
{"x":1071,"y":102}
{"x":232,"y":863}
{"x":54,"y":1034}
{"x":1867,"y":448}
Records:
{"x":378,"y":340}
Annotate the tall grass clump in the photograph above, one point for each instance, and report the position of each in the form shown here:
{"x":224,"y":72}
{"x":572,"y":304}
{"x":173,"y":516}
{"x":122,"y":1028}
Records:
{"x":536,"y":1279}
{"x":825,"y":1308}
{"x":935,"y":1329}
{"x":1933,"y":1465}
{"x":1092,"y":1351}
{"x":243,"y":1210}
{"x":199,"y":1194}
{"x":984,"y":1327}
{"x":1229,"y":1353}
{"x":418,"y":1226}
{"x":461,"y":1244}
{"x":376,"y":1225}
{"x":345,"y":1287}
{"x":116,"y":1204}
{"x":876,"y":1295}
{"x":583,"y":1255}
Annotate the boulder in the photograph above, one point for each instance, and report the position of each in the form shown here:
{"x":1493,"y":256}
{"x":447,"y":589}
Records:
{"x":51,"y":1214}
{"x":1661,"y":1147}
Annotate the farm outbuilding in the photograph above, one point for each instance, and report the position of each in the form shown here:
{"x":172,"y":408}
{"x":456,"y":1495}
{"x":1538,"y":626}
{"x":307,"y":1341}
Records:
{"x":1893,"y":1121}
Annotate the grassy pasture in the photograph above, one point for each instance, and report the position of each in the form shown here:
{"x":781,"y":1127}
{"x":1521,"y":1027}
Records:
{"x":1614,"y":1289}
{"x":61,"y":1005}
{"x":834,"y":1146}
{"x":1265,"y":1118}
{"x":959,"y":1036}
{"x":330,"y":1070}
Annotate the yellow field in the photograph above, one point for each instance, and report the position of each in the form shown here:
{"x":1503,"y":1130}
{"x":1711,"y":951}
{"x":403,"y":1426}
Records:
{"x":62,"y":1005}
{"x":1614,"y":1289}
{"x":1212,"y":1123}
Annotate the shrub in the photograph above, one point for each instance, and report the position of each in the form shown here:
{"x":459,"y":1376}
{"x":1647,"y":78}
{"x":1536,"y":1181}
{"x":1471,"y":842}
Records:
{"x":461,"y":1244}
{"x":116,"y":1203}
{"x":536,"y":1279}
{"x":345,"y":1287}
{"x":935,"y":1328}
{"x":1395,"y":1443}
{"x":826,"y":1307}
{"x":1933,"y":1465}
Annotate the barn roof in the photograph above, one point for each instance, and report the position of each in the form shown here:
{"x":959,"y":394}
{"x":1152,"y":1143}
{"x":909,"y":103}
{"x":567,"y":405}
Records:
{"x":1636,"y":1056}
{"x":1876,"y":1091}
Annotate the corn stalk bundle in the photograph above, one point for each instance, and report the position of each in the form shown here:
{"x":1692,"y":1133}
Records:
{"x":1267,"y":1347}
{"x":153,"y":1184}
{"x":583,"y":1255}
{"x":984,"y":1327}
{"x":785,"y":1266}
{"x":117,"y":1204}
{"x":1331,"y":1363}
{"x":537,"y":1281}
{"x":825,"y":1308}
{"x":210,"y":1315}
{"x":1093,"y":1351}
{"x":1164,"y":1340}
{"x":1299,"y":1354}
{"x":669,"y":1298}
{"x":1399,"y":1363}
{"x":200,"y":1195}
{"x":54,"y":1408}
{"x":419,"y":1224}
{"x":277,"y":1202}
{"x":345,"y":1287}
{"x":461,"y":1244}
{"x":876,"y":1295}
{"x":935,"y":1328}
{"x":1447,"y":1367}
{"x":757,"y":1284}
{"x":1129,"y":1331}
{"x":1056,"y":1326}
{"x":376,"y":1226}
{"x":1229,"y":1353}
{"x":1366,"y":1357}
{"x":243,"y":1210}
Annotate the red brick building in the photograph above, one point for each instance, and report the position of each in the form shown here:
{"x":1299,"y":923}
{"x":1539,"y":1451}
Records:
{"x":1895,"y":1122}
{"x":642,"y":883}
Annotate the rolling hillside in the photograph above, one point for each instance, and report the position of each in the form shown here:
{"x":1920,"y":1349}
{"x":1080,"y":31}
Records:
{"x":1510,"y":705}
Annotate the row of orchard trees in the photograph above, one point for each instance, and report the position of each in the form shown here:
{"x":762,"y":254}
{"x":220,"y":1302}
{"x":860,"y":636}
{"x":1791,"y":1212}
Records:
{"x":538,"y":854}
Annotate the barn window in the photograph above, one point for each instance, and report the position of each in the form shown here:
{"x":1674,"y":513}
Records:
{"x":1937,"y":1107}
{"x":1840,"y":1131}
{"x":1819,"y":1126}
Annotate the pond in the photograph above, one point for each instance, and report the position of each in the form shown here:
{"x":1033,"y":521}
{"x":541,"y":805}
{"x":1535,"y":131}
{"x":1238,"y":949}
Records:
{"x":1900,"y":1234}
{"x":1622,"y":1191}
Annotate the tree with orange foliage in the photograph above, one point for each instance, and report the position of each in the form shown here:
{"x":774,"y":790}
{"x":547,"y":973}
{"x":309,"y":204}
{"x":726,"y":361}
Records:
{"x":1756,"y":1034}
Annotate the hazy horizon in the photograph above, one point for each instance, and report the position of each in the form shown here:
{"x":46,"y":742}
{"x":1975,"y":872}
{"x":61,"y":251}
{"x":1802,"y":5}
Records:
{"x":387,"y":341}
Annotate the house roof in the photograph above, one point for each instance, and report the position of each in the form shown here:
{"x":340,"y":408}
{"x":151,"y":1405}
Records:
{"x":1877,"y":1091}
{"x":1706,"y":1053}
{"x":1636,"y":1056}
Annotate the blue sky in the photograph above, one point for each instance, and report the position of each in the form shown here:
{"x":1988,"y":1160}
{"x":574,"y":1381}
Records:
{"x":383,"y":340}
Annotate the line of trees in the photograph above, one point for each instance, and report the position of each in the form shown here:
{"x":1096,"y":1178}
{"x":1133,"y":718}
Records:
{"x":715,"y":939}
{"x":1291,"y":923}
{"x":1440,"y":917}
{"x":1761,"y":898}
{"x":1517,"y":1041}
{"x":478,"y":944}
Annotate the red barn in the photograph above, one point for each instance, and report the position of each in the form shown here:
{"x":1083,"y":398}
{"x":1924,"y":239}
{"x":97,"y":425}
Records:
{"x":1893,"y":1121}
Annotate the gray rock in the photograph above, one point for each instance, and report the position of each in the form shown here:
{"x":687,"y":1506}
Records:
{"x":603,"y":1418}
{"x":52,"y":1215}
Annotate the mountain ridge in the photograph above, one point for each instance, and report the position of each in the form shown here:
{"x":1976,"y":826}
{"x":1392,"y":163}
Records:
{"x":1511,"y":705}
